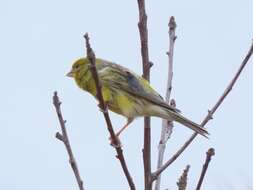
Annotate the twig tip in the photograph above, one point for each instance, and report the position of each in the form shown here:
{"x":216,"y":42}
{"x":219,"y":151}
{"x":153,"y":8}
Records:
{"x":182,"y":181}
{"x":172,"y":23}
{"x":56,"y":101}
{"x":86,"y":35}
{"x":210,"y":152}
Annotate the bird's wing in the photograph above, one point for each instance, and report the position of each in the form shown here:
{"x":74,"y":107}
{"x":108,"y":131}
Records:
{"x":123,"y":79}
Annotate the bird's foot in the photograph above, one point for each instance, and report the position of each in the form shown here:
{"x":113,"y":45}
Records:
{"x":103,"y":109}
{"x":115,"y":142}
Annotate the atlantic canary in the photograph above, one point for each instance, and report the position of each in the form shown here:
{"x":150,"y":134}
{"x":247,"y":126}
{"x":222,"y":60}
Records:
{"x":127,"y":93}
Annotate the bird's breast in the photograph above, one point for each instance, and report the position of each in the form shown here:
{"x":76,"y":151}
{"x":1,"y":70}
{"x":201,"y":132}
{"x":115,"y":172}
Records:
{"x":126,"y":105}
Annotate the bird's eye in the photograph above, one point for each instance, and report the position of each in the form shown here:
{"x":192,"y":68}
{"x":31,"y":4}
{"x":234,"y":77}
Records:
{"x":77,"y":66}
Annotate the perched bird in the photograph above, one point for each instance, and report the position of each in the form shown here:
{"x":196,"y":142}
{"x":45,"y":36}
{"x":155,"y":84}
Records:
{"x":126,"y":93}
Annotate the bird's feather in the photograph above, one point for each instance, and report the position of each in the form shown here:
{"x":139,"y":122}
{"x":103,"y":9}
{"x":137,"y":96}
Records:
{"x":120,"y":77}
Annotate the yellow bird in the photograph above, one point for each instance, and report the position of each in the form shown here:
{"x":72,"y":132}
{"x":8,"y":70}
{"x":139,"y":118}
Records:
{"x":127,"y":93}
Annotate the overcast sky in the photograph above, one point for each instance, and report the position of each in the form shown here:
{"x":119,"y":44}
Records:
{"x":41,"y":39}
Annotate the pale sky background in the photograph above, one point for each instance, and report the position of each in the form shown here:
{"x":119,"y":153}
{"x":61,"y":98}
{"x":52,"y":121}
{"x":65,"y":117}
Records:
{"x":41,"y":39}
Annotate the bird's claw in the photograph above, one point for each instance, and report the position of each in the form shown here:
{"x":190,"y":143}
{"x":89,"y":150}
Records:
{"x":105,"y":109}
{"x":115,"y":142}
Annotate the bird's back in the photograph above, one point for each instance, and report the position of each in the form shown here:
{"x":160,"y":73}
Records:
{"x":129,"y":92}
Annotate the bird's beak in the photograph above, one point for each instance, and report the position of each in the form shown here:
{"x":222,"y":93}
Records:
{"x":70,"y":74}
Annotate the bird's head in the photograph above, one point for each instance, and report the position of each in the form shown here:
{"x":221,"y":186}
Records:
{"x":79,"y":68}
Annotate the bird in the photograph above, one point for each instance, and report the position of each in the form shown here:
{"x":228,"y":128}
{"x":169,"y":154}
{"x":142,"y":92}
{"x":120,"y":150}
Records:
{"x":126,"y":93}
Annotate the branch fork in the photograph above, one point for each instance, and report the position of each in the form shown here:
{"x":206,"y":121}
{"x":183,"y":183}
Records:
{"x":208,"y":116}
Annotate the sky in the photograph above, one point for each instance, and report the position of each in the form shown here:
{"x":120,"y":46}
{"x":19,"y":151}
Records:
{"x":41,"y":39}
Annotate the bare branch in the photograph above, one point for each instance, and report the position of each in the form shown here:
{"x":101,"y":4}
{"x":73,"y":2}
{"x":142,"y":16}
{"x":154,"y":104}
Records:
{"x":209,"y":115}
{"x":103,"y":106}
{"x":146,"y":65}
{"x":209,"y":155}
{"x":172,"y":37}
{"x":182,"y":181}
{"x":64,"y":138}
{"x":167,"y":126}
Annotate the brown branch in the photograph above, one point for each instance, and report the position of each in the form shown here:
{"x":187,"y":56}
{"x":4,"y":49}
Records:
{"x":103,"y":107}
{"x":64,"y":138}
{"x":209,"y":115}
{"x":182,"y":181}
{"x":209,"y":155}
{"x":167,"y":126}
{"x":146,"y":64}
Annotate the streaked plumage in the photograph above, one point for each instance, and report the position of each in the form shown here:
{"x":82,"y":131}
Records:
{"x":126,"y":93}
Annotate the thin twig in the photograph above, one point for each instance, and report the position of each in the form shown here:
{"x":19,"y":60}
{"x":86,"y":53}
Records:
{"x":103,"y":107}
{"x":172,"y":37}
{"x":64,"y":138}
{"x":182,"y":181}
{"x":209,"y":115}
{"x":209,"y":155}
{"x":146,"y":65}
{"x":167,"y":126}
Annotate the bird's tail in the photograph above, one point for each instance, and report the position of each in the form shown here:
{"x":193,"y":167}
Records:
{"x":171,"y":114}
{"x":188,"y":123}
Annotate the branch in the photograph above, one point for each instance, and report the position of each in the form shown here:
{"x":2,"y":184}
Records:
{"x":182,"y":181}
{"x":64,"y":138}
{"x":103,"y":106}
{"x":146,"y":74}
{"x":209,"y":154}
{"x":209,"y":115}
{"x":173,"y":37}
{"x":167,"y":126}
